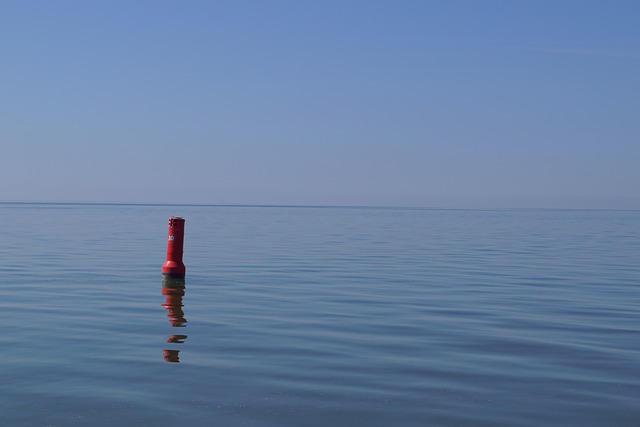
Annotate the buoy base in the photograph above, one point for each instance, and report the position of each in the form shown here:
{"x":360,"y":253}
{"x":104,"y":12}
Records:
{"x":174,"y":268}
{"x":173,"y":281}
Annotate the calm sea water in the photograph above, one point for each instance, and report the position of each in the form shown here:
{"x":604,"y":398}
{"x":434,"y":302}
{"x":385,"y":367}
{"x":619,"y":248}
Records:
{"x":320,"y":317}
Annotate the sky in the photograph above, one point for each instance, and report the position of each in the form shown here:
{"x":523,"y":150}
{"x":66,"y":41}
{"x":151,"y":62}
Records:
{"x":476,"y":103}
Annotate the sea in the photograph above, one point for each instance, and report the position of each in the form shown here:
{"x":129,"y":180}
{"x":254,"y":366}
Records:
{"x":319,"y":316}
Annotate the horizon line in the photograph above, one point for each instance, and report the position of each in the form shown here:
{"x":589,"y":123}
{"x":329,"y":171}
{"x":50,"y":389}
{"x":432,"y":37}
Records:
{"x":258,"y":205}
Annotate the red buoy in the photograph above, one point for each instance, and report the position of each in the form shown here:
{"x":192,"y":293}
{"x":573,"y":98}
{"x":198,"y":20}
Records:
{"x":173,"y":266}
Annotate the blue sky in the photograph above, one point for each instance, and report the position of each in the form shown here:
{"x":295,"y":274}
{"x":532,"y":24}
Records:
{"x":454,"y":103}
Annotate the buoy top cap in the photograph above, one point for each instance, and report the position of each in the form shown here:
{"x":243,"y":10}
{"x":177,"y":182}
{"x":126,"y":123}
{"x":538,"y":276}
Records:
{"x":176,"y":221}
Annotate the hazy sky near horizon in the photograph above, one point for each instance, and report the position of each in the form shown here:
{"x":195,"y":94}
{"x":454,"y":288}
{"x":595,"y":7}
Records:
{"x":412,"y":103}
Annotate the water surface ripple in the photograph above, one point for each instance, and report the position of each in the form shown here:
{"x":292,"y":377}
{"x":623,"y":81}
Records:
{"x":320,"y":316}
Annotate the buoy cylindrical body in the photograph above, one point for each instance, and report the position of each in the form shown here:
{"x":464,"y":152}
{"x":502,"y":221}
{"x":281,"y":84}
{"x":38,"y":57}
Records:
{"x":173,"y":266}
